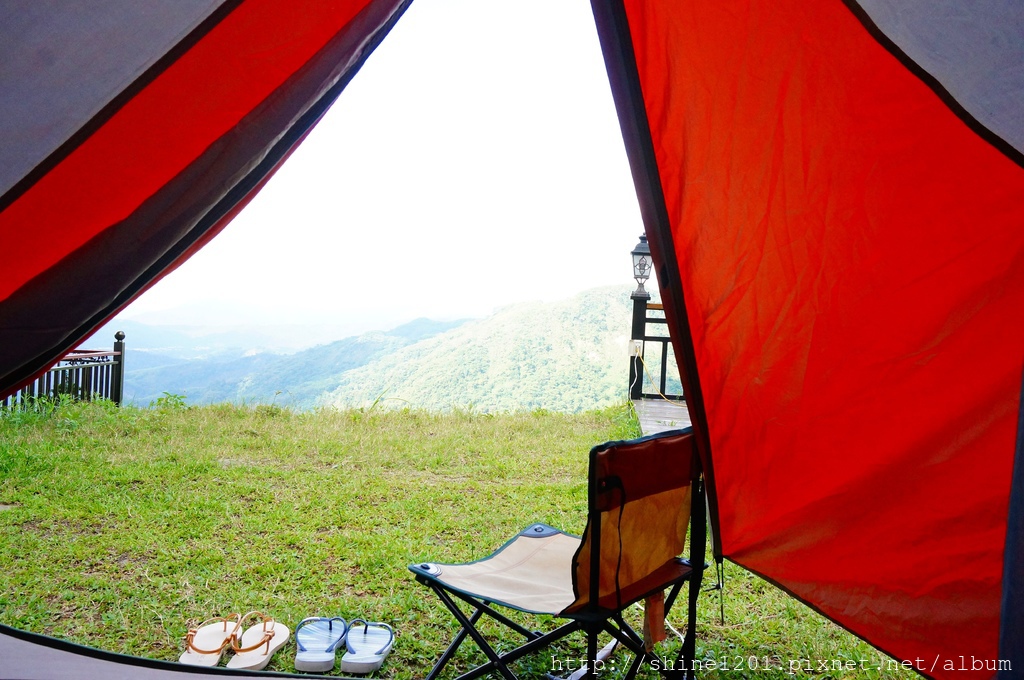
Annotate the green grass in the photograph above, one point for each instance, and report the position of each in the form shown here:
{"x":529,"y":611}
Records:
{"x":119,"y":528}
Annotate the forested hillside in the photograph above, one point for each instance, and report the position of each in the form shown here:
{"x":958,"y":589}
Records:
{"x":565,"y":356}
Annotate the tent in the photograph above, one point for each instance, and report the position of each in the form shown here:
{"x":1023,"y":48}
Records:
{"x":834,"y":197}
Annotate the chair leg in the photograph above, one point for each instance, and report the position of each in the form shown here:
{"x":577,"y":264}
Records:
{"x":672,"y":595}
{"x":698,"y":545}
{"x":592,"y":632}
{"x":484,"y":606}
{"x":452,"y":648}
{"x":521,"y":651}
{"x":498,"y":662}
{"x":634,"y":667}
{"x":688,"y":651}
{"x":468,"y":626}
{"x":615,"y":626}
{"x":631,"y":640}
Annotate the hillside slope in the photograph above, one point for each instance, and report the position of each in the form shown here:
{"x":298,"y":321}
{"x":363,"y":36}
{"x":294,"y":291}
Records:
{"x":297,"y":380}
{"x":566,"y":356}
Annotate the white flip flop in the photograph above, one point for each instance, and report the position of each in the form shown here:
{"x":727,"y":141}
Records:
{"x":367,"y":645}
{"x":205,"y":644}
{"x":254,"y":647}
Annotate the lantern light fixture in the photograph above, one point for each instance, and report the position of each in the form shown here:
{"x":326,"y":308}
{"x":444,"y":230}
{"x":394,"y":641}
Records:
{"x":642,"y":266}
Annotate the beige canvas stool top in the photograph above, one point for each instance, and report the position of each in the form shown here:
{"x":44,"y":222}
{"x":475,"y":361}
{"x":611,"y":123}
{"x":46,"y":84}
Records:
{"x":532,"y":572}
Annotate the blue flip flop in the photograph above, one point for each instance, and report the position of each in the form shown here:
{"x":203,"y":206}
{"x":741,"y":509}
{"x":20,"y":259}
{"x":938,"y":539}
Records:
{"x":316,"y":640}
{"x":367,"y":644}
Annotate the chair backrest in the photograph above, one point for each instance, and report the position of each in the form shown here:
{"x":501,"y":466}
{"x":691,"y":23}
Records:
{"x":639,"y":511}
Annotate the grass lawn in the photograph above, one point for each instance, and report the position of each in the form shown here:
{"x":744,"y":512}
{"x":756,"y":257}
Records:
{"x":120,"y":528}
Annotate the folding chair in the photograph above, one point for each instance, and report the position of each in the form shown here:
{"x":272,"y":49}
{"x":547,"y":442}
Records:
{"x":642,"y":495}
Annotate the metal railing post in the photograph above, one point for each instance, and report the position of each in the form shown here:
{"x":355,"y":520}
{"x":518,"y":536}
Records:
{"x":637,"y":334}
{"x":117,"y":373}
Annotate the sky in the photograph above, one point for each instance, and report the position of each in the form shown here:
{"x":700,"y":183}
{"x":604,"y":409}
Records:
{"x":475,"y":161}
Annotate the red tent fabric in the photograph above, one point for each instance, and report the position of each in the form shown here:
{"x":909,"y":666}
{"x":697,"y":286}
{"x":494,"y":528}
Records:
{"x":841,"y":246}
{"x":134,"y":131}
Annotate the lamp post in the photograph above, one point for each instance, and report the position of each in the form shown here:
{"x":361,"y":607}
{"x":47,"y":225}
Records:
{"x":641,"y":268}
{"x":117,"y":372}
{"x":641,"y":272}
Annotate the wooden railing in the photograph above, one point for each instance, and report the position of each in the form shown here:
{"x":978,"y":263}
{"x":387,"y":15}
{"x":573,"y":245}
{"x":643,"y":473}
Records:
{"x":647,"y":381}
{"x":83,"y":374}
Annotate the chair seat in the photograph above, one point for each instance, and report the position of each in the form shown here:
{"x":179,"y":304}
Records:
{"x":531,"y":573}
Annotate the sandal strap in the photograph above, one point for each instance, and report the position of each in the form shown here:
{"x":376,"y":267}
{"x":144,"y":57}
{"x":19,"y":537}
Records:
{"x":330,"y":627}
{"x":375,"y":624}
{"x":190,"y":636}
{"x":268,"y":635}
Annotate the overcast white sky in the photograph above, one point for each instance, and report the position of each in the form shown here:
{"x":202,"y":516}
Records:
{"x":475,"y":161}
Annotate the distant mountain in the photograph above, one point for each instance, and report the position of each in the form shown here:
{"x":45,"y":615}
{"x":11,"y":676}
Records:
{"x":203,"y":339}
{"x":205,"y":375}
{"x":564,"y":356}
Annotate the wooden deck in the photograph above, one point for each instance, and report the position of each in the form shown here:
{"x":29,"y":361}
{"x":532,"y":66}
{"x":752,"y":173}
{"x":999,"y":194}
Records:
{"x":658,"y":415}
